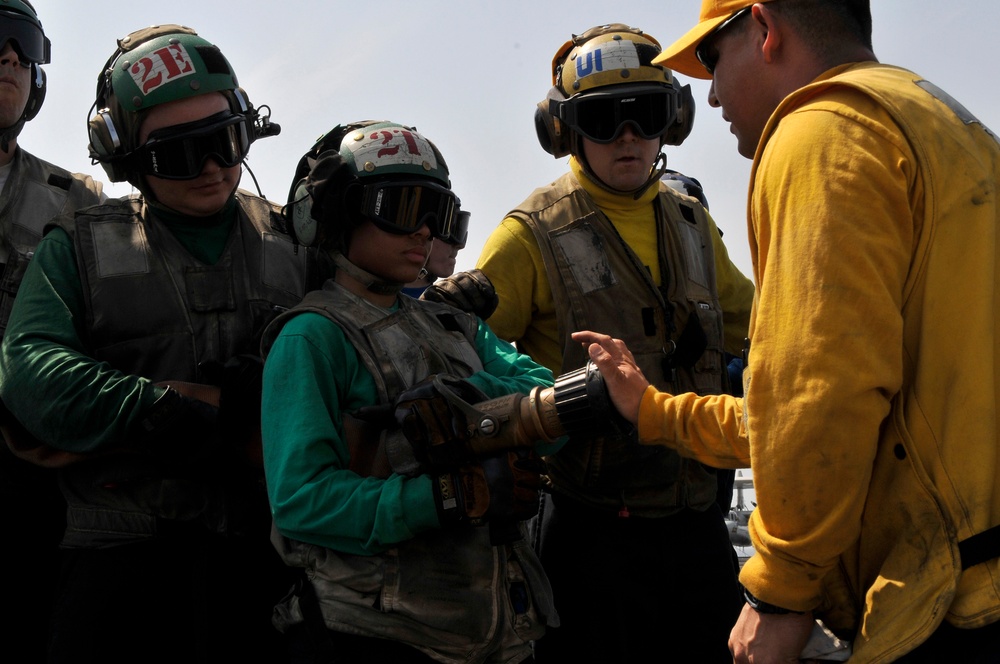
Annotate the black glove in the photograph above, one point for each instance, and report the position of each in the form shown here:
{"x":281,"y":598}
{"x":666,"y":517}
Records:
{"x":500,"y":488}
{"x":180,"y":430}
{"x":434,"y":417}
{"x":469,"y":291}
{"x":240,"y":381}
{"x":240,"y":387}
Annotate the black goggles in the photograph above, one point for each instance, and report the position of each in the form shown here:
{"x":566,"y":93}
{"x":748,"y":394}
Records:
{"x":601,"y":115}
{"x":180,"y":152}
{"x":31,"y":44}
{"x":459,"y":229}
{"x":401,"y":207}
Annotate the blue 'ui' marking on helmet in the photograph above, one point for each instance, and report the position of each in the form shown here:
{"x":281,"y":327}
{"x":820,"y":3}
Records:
{"x":586,"y":66}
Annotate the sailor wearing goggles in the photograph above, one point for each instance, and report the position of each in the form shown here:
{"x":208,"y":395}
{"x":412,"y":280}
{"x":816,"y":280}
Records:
{"x":356,"y":503}
{"x":133,"y":351}
{"x":610,"y":247}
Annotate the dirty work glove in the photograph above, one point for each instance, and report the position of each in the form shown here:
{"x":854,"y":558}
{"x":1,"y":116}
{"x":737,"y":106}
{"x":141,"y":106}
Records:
{"x":469,"y":291}
{"x":504,"y":487}
{"x":180,"y":430}
{"x":434,"y":417}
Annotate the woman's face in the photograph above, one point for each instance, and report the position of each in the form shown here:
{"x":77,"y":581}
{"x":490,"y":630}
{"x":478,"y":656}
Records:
{"x":397,"y":258}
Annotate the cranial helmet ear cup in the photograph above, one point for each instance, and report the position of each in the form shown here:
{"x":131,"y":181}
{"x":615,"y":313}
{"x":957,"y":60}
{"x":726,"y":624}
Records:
{"x":684,"y":121}
{"x":298,"y":210}
{"x":36,"y":93}
{"x":553,"y":135}
{"x":301,"y":225}
{"x":104,"y":138}
{"x":105,"y":142}
{"x":315,"y":199}
{"x":106,"y":145}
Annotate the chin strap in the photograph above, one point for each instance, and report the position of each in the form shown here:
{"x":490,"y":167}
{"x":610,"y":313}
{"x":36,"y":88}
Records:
{"x":659,"y":168}
{"x":370,"y":281}
{"x":8,"y":134}
{"x":655,"y":173}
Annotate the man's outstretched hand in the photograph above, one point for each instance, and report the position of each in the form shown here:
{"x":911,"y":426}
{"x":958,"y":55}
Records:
{"x":622,"y":375}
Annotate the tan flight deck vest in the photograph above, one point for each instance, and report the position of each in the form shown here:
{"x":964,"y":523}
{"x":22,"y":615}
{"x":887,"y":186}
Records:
{"x":448,"y":591}
{"x":599,"y":284}
{"x":156,"y":311}
{"x":36,"y":192}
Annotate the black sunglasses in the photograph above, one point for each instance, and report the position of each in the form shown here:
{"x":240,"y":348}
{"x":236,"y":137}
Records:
{"x":401,"y":207}
{"x":31,"y":45}
{"x":459,"y":234}
{"x":179,"y":152}
{"x":601,"y":115}
{"x":704,"y":51}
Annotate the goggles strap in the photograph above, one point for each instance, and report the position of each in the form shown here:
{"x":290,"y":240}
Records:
{"x":370,"y":281}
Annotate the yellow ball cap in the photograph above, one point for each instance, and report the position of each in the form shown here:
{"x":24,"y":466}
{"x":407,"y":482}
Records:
{"x":680,"y":55}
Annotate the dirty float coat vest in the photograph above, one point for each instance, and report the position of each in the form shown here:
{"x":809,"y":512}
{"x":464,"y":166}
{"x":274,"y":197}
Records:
{"x":156,"y":311}
{"x":446,"y":592}
{"x":36,"y":192}
{"x":599,"y":284}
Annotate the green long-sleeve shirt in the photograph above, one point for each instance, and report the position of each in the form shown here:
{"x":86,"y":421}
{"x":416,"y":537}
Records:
{"x":312,"y":376}
{"x":48,"y":379}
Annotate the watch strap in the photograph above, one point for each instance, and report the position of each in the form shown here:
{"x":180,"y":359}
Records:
{"x":760,"y":606}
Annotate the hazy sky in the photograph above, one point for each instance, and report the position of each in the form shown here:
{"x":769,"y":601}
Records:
{"x":466,"y":74}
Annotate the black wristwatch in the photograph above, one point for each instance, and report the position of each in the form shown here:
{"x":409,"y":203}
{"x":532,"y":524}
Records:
{"x":761,"y":606}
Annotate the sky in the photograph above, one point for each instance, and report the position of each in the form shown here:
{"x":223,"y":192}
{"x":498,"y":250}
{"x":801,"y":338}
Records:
{"x":467,"y":75}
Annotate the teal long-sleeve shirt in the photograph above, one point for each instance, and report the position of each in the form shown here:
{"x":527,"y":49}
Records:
{"x":48,"y":379}
{"x":312,"y":376}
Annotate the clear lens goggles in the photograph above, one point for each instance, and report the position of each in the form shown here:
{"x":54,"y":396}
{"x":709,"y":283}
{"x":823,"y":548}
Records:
{"x":31,"y":44}
{"x":601,"y":116}
{"x":180,"y":152}
{"x":402,"y":207}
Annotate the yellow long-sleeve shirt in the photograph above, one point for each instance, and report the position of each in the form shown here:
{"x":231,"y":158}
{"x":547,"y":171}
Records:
{"x":872,"y":387}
